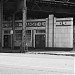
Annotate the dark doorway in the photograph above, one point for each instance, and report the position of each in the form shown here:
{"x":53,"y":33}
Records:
{"x":40,"y":41}
{"x":7,"y":41}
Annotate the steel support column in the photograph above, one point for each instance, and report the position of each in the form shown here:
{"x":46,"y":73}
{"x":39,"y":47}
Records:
{"x":24,"y":27}
{"x":13,"y":29}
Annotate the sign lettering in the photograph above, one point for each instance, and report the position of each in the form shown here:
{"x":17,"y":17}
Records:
{"x":36,"y":24}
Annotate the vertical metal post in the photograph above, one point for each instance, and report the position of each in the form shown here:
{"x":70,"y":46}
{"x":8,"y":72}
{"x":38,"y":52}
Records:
{"x":13,"y":29}
{"x":24,"y":26}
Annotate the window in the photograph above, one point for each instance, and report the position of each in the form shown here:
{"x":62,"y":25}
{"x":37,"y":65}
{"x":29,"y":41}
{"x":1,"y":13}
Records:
{"x":28,"y":35}
{"x":18,"y":34}
{"x":40,"y":31}
{"x":6,"y":31}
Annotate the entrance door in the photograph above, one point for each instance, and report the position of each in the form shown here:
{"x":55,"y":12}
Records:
{"x":7,"y":41}
{"x":40,"y":41}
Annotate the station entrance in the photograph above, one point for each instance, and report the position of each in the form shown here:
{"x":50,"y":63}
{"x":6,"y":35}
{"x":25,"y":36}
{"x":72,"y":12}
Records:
{"x":39,"y":41}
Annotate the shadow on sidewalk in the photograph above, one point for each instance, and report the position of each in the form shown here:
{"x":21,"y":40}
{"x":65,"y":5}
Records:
{"x":9,"y":50}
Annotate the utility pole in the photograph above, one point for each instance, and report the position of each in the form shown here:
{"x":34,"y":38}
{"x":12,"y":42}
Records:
{"x":24,"y":10}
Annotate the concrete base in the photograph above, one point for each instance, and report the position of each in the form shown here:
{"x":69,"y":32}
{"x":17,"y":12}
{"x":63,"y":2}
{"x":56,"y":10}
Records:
{"x":50,"y":49}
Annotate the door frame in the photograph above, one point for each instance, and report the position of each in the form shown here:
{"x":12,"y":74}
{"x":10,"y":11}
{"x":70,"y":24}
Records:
{"x":10,"y":38}
{"x":35,"y":38}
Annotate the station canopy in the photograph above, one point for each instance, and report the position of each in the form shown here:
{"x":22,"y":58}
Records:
{"x":40,"y":8}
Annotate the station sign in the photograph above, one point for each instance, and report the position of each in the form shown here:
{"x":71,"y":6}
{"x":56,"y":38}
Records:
{"x":28,"y":24}
{"x":7,"y":24}
{"x":64,"y":22}
{"x":36,"y":24}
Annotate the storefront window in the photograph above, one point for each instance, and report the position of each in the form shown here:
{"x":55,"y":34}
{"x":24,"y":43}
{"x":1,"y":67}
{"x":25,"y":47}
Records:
{"x":40,"y":31}
{"x":18,"y":34}
{"x":6,"y":31}
{"x":28,"y":35}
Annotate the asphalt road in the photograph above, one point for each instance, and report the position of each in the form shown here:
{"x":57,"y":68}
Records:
{"x":18,"y":63}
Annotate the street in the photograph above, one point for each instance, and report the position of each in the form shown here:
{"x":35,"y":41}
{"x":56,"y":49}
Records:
{"x":20,"y":63}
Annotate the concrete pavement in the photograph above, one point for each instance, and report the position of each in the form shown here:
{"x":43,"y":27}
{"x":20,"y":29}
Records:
{"x":20,"y":63}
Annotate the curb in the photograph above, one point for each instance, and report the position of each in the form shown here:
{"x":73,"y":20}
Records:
{"x":54,"y":54}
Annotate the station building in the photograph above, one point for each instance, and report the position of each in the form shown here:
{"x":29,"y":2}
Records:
{"x":44,"y":33}
{"x":50,"y":32}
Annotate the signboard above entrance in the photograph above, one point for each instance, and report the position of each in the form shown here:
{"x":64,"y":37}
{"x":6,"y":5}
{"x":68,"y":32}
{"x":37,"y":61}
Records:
{"x":36,"y":24}
{"x":64,"y":22}
{"x":7,"y":24}
{"x":30,"y":23}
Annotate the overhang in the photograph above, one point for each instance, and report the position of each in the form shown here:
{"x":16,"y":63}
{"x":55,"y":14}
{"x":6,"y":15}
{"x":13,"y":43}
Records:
{"x":40,"y":7}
